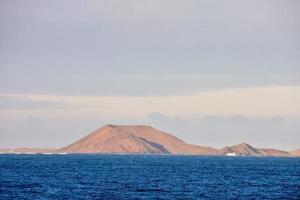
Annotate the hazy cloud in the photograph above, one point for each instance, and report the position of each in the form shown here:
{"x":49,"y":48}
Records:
{"x":25,"y":103}
{"x":261,"y":101}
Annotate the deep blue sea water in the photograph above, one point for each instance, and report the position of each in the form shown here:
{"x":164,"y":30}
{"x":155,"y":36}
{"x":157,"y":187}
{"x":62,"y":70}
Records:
{"x":148,"y":177}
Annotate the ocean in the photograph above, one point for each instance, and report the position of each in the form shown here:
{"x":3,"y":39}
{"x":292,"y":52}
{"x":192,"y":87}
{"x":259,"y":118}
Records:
{"x":148,"y":177}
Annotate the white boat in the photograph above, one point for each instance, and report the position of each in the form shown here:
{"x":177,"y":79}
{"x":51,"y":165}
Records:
{"x":231,"y":154}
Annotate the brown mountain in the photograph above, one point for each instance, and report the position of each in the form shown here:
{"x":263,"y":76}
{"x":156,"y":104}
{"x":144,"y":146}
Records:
{"x":134,"y":139}
{"x":248,"y":150}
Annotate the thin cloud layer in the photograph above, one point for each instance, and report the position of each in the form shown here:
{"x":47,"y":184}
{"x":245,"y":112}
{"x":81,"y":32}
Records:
{"x":23,"y":103}
{"x":263,"y":101}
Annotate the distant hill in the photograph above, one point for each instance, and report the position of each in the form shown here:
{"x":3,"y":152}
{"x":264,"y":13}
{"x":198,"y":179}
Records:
{"x":248,"y":150}
{"x":240,"y":149}
{"x":134,"y":139}
{"x":296,"y":152}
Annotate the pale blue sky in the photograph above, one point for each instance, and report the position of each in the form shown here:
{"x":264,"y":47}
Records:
{"x":138,"y":48}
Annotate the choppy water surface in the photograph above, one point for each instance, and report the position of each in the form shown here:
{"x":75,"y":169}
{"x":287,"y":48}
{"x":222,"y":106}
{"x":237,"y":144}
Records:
{"x":147,"y":177}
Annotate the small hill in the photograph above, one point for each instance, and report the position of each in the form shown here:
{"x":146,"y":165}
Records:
{"x":134,"y":139}
{"x":248,"y":150}
{"x":241,"y":149}
{"x":296,"y":152}
{"x":274,"y":152}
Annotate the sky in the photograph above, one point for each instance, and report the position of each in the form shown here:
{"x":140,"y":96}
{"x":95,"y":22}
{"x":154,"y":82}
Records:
{"x":212,"y":72}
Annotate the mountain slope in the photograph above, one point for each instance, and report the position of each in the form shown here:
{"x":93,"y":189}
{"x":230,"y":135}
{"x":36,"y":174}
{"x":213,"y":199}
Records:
{"x":133,"y":139}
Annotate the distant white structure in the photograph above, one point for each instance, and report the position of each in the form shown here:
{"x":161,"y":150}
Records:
{"x":231,"y":154}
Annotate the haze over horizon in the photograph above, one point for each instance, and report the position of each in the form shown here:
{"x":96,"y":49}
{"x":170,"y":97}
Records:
{"x":210,"y":72}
